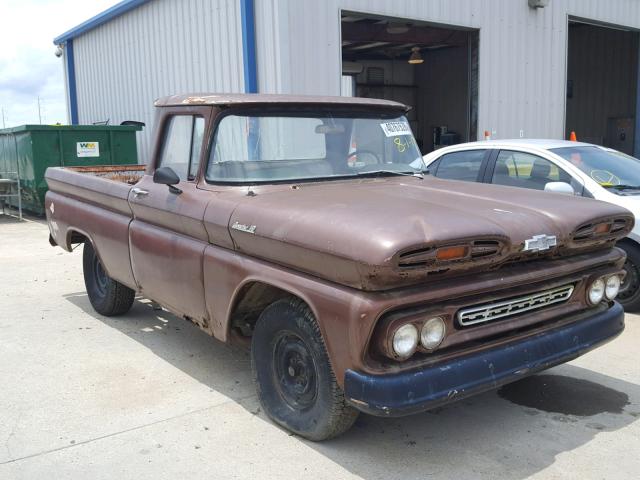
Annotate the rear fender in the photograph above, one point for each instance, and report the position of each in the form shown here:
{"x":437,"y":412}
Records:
{"x":108,"y":232}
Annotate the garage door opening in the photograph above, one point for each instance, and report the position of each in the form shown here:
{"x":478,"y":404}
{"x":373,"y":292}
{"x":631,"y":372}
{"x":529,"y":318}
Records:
{"x":432,"y":68}
{"x":602,"y":85}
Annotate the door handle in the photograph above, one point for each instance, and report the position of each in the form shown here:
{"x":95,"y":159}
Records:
{"x":138,"y":192}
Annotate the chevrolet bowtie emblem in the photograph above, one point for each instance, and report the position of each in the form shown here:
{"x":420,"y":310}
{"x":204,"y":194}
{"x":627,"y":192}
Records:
{"x":539,"y":242}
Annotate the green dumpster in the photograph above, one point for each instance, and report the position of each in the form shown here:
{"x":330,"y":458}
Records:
{"x":30,"y":149}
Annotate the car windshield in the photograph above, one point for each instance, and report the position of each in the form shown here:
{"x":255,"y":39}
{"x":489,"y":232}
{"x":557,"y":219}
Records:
{"x":273,"y":148}
{"x":611,"y":169}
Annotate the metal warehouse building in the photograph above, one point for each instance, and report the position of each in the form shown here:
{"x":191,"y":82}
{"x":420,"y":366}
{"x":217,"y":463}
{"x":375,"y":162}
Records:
{"x":532,"y":68}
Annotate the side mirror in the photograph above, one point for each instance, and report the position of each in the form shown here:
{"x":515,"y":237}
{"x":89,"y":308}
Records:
{"x":559,"y":187}
{"x":167,"y":176}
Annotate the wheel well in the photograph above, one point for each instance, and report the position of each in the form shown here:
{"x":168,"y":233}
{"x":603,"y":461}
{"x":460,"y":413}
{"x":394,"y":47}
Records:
{"x":628,"y":241}
{"x":629,"y":244}
{"x":251,"y":301}
{"x":74,"y":237}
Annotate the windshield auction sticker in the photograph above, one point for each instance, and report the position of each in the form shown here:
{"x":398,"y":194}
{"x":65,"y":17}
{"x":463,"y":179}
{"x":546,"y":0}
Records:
{"x":394,"y":129}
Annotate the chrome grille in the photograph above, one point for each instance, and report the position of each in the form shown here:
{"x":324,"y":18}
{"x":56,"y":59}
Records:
{"x":513,"y":306}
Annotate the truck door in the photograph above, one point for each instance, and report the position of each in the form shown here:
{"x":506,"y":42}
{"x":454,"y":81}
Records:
{"x":167,"y":234}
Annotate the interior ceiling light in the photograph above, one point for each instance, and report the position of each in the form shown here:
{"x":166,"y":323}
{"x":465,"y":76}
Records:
{"x":416,"y":57}
{"x":397,"y":28}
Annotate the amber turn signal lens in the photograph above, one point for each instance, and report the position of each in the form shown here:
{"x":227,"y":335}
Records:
{"x":452,"y":253}
{"x":601,"y":228}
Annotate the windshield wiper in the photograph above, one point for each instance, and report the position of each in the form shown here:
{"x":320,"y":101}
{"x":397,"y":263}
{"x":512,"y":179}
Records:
{"x":419,"y":175}
{"x":623,"y":187}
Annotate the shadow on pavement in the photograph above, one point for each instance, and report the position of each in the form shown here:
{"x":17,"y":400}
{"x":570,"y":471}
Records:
{"x":512,"y":433}
{"x":12,"y":218}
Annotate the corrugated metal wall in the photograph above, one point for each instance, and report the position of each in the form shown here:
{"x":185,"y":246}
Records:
{"x":522,"y":51}
{"x":161,"y":48}
{"x":171,"y":46}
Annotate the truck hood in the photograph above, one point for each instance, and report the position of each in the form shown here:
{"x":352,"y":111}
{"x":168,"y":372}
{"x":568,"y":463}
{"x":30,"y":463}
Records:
{"x":367,"y":233}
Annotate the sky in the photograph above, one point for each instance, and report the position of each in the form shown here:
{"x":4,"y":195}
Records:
{"x":28,"y":67}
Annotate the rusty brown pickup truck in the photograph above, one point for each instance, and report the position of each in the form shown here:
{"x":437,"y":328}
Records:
{"x":308,"y":229}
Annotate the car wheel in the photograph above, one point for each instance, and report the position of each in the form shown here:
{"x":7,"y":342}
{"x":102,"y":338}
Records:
{"x":294,"y":379}
{"x":629,"y":295}
{"x":107,"y":296}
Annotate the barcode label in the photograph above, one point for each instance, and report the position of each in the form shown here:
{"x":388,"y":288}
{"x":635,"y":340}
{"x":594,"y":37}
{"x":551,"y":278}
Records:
{"x":394,"y":129}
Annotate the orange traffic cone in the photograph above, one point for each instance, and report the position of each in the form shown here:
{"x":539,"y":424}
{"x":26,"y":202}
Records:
{"x":573,"y":137}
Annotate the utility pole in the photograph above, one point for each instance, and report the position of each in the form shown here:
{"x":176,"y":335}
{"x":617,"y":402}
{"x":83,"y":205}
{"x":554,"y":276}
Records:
{"x":39,"y":113}
{"x":3,"y":124}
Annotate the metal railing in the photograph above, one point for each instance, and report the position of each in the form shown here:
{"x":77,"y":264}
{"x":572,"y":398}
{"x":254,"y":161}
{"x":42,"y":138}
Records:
{"x":10,"y":188}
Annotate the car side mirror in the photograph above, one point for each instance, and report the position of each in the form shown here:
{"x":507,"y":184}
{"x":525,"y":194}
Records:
{"x":559,"y":187}
{"x":167,"y":176}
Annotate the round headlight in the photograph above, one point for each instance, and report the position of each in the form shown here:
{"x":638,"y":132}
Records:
{"x":432,"y":333}
{"x":405,"y":340}
{"x":612,"y":287}
{"x":596,"y":291}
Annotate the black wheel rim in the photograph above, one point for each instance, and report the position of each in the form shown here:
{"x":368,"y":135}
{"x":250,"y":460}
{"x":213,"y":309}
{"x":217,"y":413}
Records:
{"x":100,"y":276}
{"x":631,"y":284}
{"x":295,"y":371}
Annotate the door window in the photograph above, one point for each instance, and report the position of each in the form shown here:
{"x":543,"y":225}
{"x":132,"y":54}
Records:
{"x":461,"y":165}
{"x":182,"y":145}
{"x":519,"y":169}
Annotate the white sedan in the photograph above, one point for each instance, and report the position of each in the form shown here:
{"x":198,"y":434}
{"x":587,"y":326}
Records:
{"x":556,"y":165}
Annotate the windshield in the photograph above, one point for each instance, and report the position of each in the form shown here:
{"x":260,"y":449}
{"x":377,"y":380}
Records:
{"x":611,"y":169}
{"x":250,"y":149}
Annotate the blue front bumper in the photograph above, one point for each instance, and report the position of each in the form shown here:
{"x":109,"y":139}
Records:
{"x":418,"y":390}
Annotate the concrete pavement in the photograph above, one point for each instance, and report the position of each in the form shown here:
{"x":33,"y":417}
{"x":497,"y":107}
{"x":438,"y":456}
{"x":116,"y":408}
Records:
{"x":149,"y":396}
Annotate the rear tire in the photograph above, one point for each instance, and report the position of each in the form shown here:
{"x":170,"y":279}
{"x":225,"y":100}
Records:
{"x":629,"y":296}
{"x":107,"y":296}
{"x":296,"y":384}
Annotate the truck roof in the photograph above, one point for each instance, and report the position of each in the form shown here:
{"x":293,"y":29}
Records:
{"x":261,"y":98}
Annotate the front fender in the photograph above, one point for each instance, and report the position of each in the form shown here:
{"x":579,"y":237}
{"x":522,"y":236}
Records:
{"x":345,"y":316}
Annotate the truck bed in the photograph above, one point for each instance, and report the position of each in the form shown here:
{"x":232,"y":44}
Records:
{"x":106,"y":186}
{"x":119,"y":173}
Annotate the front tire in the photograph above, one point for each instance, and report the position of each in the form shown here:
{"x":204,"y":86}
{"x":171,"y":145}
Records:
{"x":107,"y":296}
{"x":295,"y":382}
{"x":629,"y":296}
